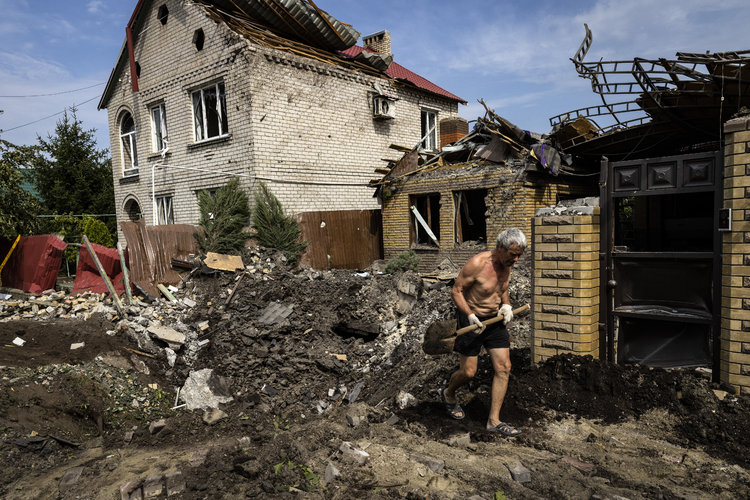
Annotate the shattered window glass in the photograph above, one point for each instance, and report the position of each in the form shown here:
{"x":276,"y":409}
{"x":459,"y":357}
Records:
{"x":129,"y":150}
{"x":210,"y":112}
{"x":429,"y":130}
{"x":164,"y":210}
{"x":159,"y":127}
{"x":426,"y":219}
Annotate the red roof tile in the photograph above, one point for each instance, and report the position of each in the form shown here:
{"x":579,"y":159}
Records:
{"x":395,"y":70}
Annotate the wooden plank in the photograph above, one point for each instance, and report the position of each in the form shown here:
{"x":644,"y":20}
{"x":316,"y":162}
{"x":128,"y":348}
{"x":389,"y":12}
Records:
{"x":166,"y":293}
{"x":107,"y":282}
{"x":125,"y":275}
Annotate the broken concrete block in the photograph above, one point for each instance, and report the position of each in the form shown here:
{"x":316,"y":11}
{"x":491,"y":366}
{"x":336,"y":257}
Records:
{"x":171,"y":357}
{"x":405,"y":400}
{"x":130,"y":490}
{"x":203,"y":389}
{"x":152,"y":486}
{"x":352,"y":454}
{"x":175,"y":483}
{"x":392,"y":420}
{"x":171,"y":336}
{"x":19,"y":341}
{"x":157,"y":425}
{"x":70,"y":478}
{"x":188,"y":302}
{"x":77,"y":345}
{"x":519,"y":473}
{"x":331,"y":473}
{"x":353,"y":420}
{"x":434,"y":464}
{"x":212,"y":416}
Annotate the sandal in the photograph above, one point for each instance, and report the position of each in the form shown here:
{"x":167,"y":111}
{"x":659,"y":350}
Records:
{"x":505,"y":429}
{"x":454,"y":409}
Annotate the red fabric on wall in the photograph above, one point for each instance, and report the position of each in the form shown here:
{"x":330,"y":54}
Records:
{"x":87,"y":275}
{"x":34,"y":264}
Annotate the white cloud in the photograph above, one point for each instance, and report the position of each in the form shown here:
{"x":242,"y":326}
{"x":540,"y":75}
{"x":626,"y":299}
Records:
{"x":95,"y":6}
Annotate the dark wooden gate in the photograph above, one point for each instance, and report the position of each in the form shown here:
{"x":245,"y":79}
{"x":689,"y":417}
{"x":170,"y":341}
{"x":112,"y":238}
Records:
{"x":661,"y":279}
{"x":344,"y":239}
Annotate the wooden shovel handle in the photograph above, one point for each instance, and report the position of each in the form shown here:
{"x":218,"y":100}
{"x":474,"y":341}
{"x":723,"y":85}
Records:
{"x":491,"y":321}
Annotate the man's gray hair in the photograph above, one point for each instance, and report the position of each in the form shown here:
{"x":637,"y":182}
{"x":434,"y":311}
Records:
{"x":510,"y":237}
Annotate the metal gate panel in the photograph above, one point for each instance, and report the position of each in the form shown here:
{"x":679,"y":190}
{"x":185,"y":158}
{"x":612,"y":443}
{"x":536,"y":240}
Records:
{"x":661,"y":260}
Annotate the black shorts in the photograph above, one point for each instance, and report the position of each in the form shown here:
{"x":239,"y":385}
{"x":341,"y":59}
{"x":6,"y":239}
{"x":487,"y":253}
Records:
{"x":469,"y":344}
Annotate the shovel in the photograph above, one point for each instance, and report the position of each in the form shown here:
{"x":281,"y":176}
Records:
{"x":441,"y":335}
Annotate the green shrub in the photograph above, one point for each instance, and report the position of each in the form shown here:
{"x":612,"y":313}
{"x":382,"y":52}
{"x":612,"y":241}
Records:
{"x":73,"y":229}
{"x":223,"y":215}
{"x":407,"y":261}
{"x":274,"y":228}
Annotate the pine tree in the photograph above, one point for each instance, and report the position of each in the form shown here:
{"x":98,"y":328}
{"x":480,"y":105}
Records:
{"x":223,"y":215}
{"x":274,"y":228}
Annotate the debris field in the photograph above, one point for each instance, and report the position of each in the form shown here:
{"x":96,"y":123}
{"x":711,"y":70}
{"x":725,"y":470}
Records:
{"x":279,"y":382}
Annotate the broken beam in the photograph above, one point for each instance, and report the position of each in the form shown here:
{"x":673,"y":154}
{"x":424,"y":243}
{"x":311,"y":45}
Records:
{"x":105,"y":278}
{"x":384,"y":171}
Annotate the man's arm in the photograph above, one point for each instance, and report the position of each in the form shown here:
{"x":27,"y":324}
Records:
{"x":464,"y":280}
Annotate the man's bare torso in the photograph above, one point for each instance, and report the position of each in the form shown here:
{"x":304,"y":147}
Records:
{"x":483,"y":282}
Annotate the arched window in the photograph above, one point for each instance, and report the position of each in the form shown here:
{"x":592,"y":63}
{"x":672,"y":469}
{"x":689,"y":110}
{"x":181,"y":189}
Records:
{"x":133,"y":210}
{"x":129,"y":150}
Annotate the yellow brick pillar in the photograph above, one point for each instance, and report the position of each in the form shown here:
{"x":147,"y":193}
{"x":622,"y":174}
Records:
{"x":566,"y":284}
{"x":735,"y":310}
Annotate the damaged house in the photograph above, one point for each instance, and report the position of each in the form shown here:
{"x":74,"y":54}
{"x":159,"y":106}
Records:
{"x":277,"y":92}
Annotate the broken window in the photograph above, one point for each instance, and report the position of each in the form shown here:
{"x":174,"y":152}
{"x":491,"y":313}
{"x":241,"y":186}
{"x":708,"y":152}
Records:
{"x":164,"y":212}
{"x":159,"y":127}
{"x":470,"y":210}
{"x":163,"y":14}
{"x":198,"y":39}
{"x":429,"y":130}
{"x":210,"y":112}
{"x":127,"y":141}
{"x":426,"y":219}
{"x":133,"y":210}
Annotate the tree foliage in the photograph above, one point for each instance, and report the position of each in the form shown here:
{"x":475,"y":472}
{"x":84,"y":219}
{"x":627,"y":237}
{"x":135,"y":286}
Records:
{"x":223,"y":215}
{"x":70,"y":174}
{"x":73,"y":228}
{"x":274,"y":228}
{"x":18,"y":207}
{"x":406,"y":261}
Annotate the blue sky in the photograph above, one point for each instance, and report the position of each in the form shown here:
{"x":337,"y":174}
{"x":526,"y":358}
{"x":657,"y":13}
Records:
{"x":514,"y":55}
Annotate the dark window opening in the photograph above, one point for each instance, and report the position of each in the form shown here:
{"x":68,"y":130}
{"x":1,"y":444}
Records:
{"x":133,"y":210}
{"x":665,"y":223}
{"x":425,"y":219}
{"x":198,"y":39}
{"x":471,"y":224}
{"x":137,"y":69}
{"x":162,"y":14}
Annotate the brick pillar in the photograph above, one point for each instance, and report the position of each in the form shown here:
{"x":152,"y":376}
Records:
{"x":566,"y":284}
{"x":452,"y":129}
{"x":735,"y":308}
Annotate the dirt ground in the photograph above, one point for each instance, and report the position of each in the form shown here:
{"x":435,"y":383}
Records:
{"x":343,"y":367}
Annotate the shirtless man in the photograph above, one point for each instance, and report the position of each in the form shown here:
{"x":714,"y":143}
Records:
{"x":481,"y":292}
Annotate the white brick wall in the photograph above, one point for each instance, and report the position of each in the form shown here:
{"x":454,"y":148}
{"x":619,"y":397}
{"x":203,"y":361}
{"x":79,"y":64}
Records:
{"x":304,"y":125}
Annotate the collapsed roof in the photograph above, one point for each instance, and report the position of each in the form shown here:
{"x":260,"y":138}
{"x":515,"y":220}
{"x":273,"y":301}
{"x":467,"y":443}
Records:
{"x":296,"y":26}
{"x":676,"y":105}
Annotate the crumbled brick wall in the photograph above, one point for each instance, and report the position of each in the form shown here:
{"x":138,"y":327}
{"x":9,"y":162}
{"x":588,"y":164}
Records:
{"x":509,"y":204}
{"x":735,"y":310}
{"x":566,"y":285}
{"x":310,"y":135}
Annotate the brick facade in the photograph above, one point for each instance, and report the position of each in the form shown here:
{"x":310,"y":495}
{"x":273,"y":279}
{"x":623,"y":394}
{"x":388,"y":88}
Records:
{"x":509,"y":202}
{"x":735,"y":310}
{"x":565,"y":300}
{"x":304,"y":127}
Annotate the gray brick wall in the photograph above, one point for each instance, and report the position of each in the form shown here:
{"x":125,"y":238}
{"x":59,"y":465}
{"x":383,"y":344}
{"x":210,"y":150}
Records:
{"x":303,"y":126}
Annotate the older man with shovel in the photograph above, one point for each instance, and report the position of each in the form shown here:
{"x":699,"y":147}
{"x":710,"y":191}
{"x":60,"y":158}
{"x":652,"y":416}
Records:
{"x":480,"y":293}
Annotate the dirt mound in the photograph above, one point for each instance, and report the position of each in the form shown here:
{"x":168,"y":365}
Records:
{"x":323,"y":363}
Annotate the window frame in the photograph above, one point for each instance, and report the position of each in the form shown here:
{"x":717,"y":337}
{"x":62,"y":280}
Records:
{"x":428,"y":206}
{"x":164,"y":209}
{"x":159,"y":132}
{"x":429,"y":140}
{"x":130,"y":146}
{"x":201,"y":111}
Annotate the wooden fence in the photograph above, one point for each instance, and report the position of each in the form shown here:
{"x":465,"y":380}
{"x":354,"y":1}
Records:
{"x":344,"y":239}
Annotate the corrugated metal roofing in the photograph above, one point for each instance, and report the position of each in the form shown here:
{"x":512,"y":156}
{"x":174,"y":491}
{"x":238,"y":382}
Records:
{"x":395,"y":70}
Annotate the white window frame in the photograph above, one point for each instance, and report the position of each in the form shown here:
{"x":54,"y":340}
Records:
{"x":159,"y":137}
{"x":128,"y":143}
{"x":165,"y":209}
{"x":201,"y":113}
{"x":428,"y":119}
